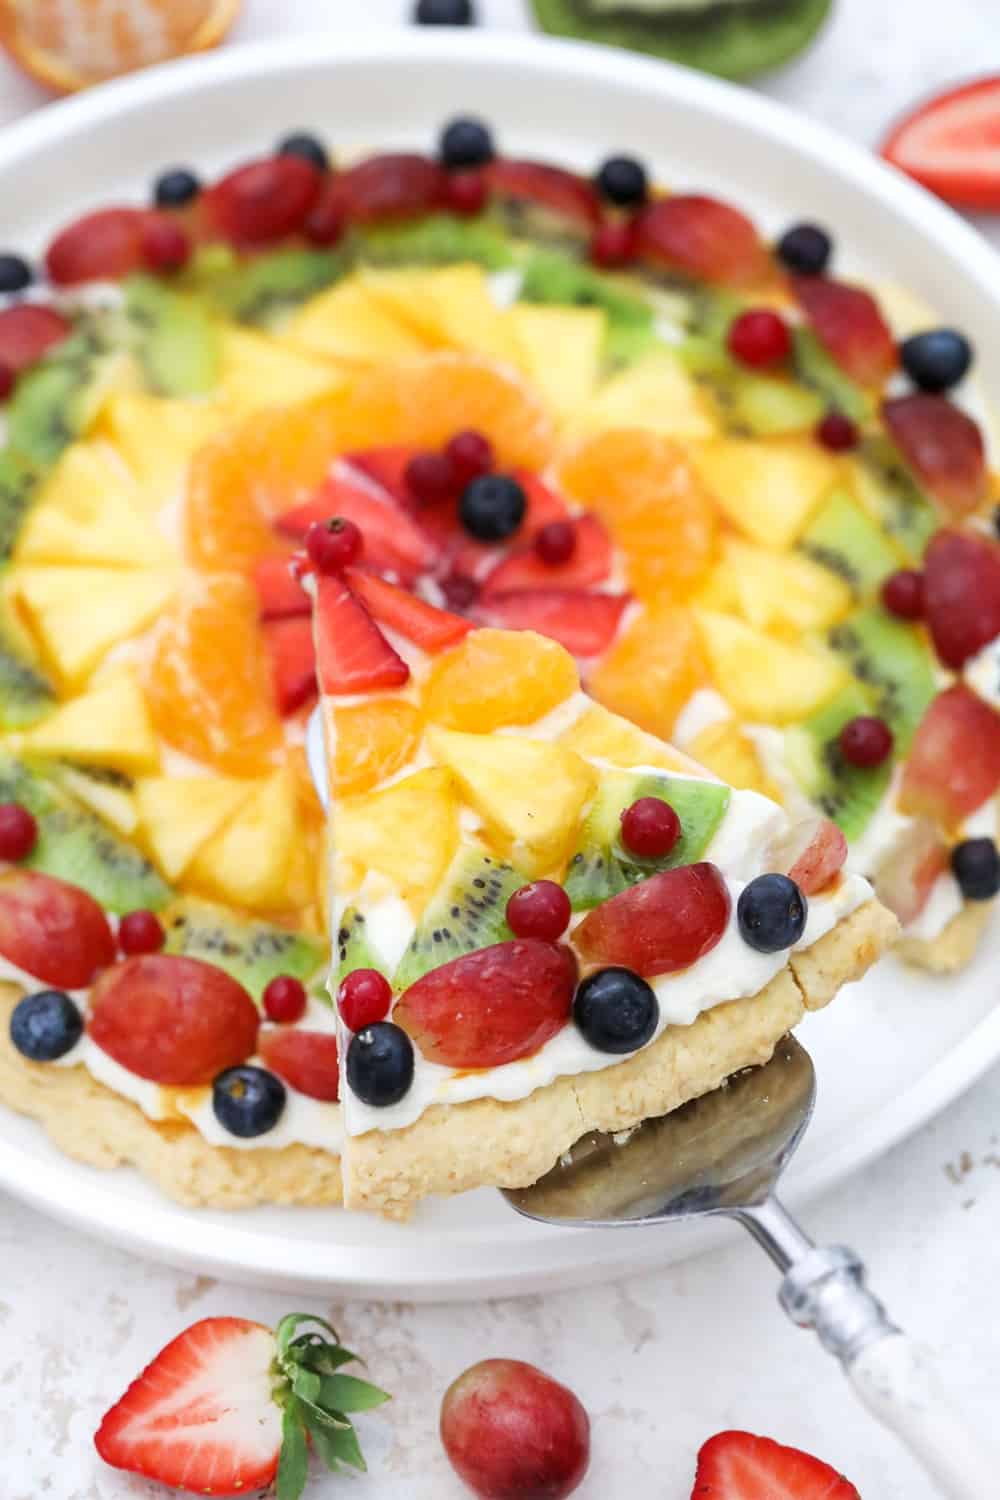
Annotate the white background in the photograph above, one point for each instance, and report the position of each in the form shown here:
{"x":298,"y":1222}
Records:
{"x":661,"y":1361}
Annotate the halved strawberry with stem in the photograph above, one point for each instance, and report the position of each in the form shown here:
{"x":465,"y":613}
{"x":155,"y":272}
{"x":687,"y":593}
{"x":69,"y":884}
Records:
{"x":52,"y":930}
{"x":230,"y":1405}
{"x":954,"y":761}
{"x":27,"y":331}
{"x":280,"y":593}
{"x":584,"y":623}
{"x":850,"y":326}
{"x":430,"y":628}
{"x":739,"y":1466}
{"x":564,"y":193}
{"x":352,"y":654}
{"x":904,"y":880}
{"x":307,"y":1060}
{"x":703,"y":237}
{"x":589,"y":562}
{"x":943,"y":446}
{"x":961,"y":593}
{"x":661,"y":925}
{"x":812,"y":853}
{"x":949,"y":143}
{"x":492,"y":1006}
{"x":292,"y":655}
{"x":390,"y":539}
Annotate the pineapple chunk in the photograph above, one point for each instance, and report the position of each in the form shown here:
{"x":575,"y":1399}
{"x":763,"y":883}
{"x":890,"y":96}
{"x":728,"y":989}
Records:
{"x":157,"y":437}
{"x":783,"y":592}
{"x":449,"y":308}
{"x":108,"y":726}
{"x":179,"y":814}
{"x":769,"y":490}
{"x":530,"y":793}
{"x":732,"y":755}
{"x":408,"y":832}
{"x":78,"y":614}
{"x":258,"y":372}
{"x":561,"y":352}
{"x":656,"y":394}
{"x":603,"y":736}
{"x":765,"y":680}
{"x":347,"y":323}
{"x":247,"y":862}
{"x":89,"y":512}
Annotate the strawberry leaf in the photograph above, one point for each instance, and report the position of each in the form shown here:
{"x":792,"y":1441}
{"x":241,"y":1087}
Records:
{"x":285,"y":1331}
{"x":316,"y":1397}
{"x":293,"y":1464}
{"x":336,"y":1445}
{"x":326,"y":1359}
{"x":347,"y":1393}
{"x":306,"y":1384}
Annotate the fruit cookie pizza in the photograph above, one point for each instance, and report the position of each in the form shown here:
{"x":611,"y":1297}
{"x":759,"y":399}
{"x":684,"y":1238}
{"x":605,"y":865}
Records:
{"x":625,"y":440}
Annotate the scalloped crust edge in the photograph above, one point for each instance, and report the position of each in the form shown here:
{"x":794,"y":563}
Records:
{"x":953,"y":948}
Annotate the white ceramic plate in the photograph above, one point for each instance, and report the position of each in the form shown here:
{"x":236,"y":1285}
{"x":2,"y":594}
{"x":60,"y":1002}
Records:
{"x":892,"y":1050}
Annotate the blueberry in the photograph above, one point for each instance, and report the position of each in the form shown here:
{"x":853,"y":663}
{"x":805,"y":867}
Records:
{"x":380,"y":1064}
{"x":771,"y":913}
{"x":936,"y":360}
{"x":444,"y":13}
{"x":466,"y":143}
{"x":306,"y":146}
{"x":492,"y":507}
{"x":248,"y":1101}
{"x":805,"y":248}
{"x":175,"y":188}
{"x":45,"y":1025}
{"x":15,"y":273}
{"x":622,"y":180}
{"x":976,"y":866}
{"x":616,"y":1010}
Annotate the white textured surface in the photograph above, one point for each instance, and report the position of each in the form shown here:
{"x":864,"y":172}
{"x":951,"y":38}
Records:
{"x":660,"y":1361}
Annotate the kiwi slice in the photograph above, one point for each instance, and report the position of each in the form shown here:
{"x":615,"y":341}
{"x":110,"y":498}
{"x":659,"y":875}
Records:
{"x":468,"y":912}
{"x":816,"y":368}
{"x":56,"y":399}
{"x":848,"y":794}
{"x":602,"y":866}
{"x":178,"y":344}
{"x":354,"y":951}
{"x":438,"y":240}
{"x":765,"y":407}
{"x":76,"y":846}
{"x":25,"y":695}
{"x":888,"y":489}
{"x":253,"y":952}
{"x":559,"y":280}
{"x":268,"y":289}
{"x":889,"y":657}
{"x":18,"y":481}
{"x":735,"y":38}
{"x":844,"y":538}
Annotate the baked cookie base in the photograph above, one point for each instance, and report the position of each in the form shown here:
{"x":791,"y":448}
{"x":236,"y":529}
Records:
{"x":454,"y":1148}
{"x":953,"y":948}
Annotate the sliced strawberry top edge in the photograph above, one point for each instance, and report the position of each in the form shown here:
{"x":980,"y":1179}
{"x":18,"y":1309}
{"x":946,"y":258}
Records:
{"x":352,"y":654}
{"x":424,"y":624}
{"x":956,"y":169}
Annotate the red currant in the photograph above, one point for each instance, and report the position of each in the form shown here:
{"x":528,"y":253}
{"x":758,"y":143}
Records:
{"x":865,"y":741}
{"x":140,"y":932}
{"x":903,"y":594}
{"x":430,"y":479}
{"x":837,"y":432}
{"x":470,"y":455}
{"x":650,"y":827}
{"x":333,"y":544}
{"x":759,"y":337}
{"x":556,"y":543}
{"x":284,"y":999}
{"x":465,"y":193}
{"x":460,"y":592}
{"x":540,"y":910}
{"x":165,"y":245}
{"x":7,"y":379}
{"x":613,"y":245}
{"x":18,"y":831}
{"x":364,"y":998}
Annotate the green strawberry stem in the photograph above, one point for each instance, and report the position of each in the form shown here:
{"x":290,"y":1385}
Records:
{"x":315,"y":1399}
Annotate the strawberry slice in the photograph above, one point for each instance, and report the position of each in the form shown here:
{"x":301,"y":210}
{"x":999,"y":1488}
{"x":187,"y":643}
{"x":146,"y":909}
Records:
{"x":431,"y":629}
{"x":564,"y":193}
{"x":850,"y":326}
{"x":171,"y":1019}
{"x":387,"y":467}
{"x":307,"y":1060}
{"x":954,"y":761}
{"x":812,"y":853}
{"x":590,"y":562}
{"x":52,"y":930}
{"x":961,"y":594}
{"x":492,"y":1006}
{"x":585,"y":624}
{"x":702,"y":237}
{"x":395,"y":185}
{"x":218,"y":1408}
{"x":353,"y":656}
{"x":943,"y":446}
{"x":27,"y":331}
{"x":739,"y":1466}
{"x":904,"y":880}
{"x":661,"y":925}
{"x":293,"y":662}
{"x":390,"y":539}
{"x":949,"y":143}
{"x":280,"y":593}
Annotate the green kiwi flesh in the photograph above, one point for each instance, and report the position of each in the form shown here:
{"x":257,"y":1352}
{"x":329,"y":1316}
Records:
{"x":253,"y":952}
{"x":54,"y":401}
{"x":264,"y":291}
{"x":437,"y":240}
{"x":816,"y":368}
{"x":468,"y":912}
{"x":764,"y":407}
{"x":888,"y":489}
{"x":177,"y":342}
{"x":850,"y":795}
{"x":891,"y":661}
{"x":843,"y":537}
{"x":354,"y":951}
{"x":559,"y":280}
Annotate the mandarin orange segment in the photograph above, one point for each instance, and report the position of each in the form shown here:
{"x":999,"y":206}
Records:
{"x":372,"y":741}
{"x":656,"y":507}
{"x":498,"y":677}
{"x":207,"y":681}
{"x":651,"y":672}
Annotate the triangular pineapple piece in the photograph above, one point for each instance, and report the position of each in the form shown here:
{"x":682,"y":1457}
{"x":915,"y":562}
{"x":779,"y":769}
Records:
{"x":108,"y":726}
{"x":247,"y":862}
{"x":725,"y":749}
{"x":770,"y":489}
{"x":407,"y":831}
{"x":656,"y":394}
{"x":530,"y":793}
{"x":258,"y":372}
{"x":601,"y":735}
{"x":561,"y":352}
{"x":179,"y":814}
{"x":89,"y":512}
{"x":77,"y":614}
{"x":766,"y":680}
{"x":347,"y":323}
{"x":450,"y":307}
{"x":781,"y":591}
{"x":156,"y":437}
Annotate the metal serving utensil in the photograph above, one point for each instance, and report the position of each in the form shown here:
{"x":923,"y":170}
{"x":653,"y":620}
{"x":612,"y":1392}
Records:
{"x":723,"y":1156}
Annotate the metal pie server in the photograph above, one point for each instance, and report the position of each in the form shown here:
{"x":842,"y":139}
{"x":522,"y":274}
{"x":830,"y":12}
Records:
{"x":723,"y":1155}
